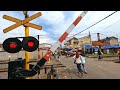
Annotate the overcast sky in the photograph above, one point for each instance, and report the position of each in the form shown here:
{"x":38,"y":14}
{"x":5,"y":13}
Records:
{"x":55,"y":23}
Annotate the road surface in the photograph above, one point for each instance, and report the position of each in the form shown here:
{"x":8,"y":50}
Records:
{"x":96,"y":69}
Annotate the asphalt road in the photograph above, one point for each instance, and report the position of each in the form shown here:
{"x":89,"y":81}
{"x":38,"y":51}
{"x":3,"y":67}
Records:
{"x":96,"y":69}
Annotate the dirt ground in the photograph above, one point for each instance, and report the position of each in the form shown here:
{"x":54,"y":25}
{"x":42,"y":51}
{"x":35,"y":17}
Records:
{"x":105,"y":69}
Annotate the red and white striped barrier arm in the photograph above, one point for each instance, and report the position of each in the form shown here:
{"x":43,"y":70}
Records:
{"x":63,"y":37}
{"x":40,"y":63}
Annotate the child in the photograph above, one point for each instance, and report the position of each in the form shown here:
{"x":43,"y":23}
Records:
{"x":83,"y":62}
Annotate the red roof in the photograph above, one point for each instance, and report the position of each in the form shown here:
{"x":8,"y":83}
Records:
{"x":96,"y":43}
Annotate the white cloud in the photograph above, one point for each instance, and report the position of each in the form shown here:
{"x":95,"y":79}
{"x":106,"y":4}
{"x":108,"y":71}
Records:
{"x":43,"y":40}
{"x":53,"y":17}
{"x":59,"y":22}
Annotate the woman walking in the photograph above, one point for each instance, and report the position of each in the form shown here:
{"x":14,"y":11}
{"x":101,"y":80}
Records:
{"x":77,"y":58}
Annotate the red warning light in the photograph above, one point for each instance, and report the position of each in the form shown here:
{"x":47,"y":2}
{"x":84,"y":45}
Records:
{"x":12,"y":45}
{"x":30,"y":43}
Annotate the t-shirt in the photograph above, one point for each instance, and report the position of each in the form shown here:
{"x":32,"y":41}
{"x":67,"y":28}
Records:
{"x":82,"y":59}
{"x":78,"y":60}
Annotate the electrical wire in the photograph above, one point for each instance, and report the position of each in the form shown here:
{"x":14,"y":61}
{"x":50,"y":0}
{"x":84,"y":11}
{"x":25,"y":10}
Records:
{"x":94,"y":24}
{"x":112,"y":24}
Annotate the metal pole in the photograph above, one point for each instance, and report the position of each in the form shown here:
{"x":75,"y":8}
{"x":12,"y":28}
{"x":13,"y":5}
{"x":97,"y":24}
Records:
{"x":45,"y":75}
{"x":83,"y":47}
{"x":9,"y":58}
{"x":52,"y":72}
{"x":38,"y":75}
{"x":17,"y":55}
{"x":26,"y":52}
{"x":39,"y":48}
{"x":91,"y":51}
{"x":27,"y":56}
{"x":90,"y":39}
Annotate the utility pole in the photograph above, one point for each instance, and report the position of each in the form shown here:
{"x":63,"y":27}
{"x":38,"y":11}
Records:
{"x":98,"y":35}
{"x":83,"y":46}
{"x":90,"y":39}
{"x":117,"y":39}
{"x":91,"y":51}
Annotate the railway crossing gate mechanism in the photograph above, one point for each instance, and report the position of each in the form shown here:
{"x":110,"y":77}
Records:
{"x":35,"y":69}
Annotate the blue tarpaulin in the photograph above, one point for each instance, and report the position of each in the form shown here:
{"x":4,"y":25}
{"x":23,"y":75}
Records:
{"x":88,"y":47}
{"x":110,"y":47}
{"x":95,"y":48}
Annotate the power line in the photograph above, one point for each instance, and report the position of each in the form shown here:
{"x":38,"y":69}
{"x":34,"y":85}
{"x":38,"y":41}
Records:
{"x":95,"y":23}
{"x":109,"y":26}
{"x":112,"y":24}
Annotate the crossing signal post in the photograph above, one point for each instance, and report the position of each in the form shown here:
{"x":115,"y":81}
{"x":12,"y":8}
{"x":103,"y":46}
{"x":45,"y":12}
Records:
{"x":26,"y":24}
{"x":14,"y":45}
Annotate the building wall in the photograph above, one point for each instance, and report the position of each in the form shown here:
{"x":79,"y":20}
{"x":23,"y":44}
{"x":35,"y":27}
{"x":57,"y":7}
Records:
{"x":21,"y":54}
{"x":72,"y":44}
{"x":114,"y":41}
{"x":81,"y":42}
{"x":119,"y":43}
{"x":1,"y":49}
{"x":44,"y":45}
{"x":84,"y":41}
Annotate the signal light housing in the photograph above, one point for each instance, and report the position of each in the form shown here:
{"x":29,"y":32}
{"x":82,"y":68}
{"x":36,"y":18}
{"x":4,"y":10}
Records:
{"x":12,"y":45}
{"x":30,"y":44}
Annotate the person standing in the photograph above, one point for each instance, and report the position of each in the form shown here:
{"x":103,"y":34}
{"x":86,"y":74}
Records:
{"x":118,"y":51}
{"x":77,"y":59}
{"x":55,"y":53}
{"x":99,"y":55}
{"x":83,"y":62}
{"x":59,"y":54}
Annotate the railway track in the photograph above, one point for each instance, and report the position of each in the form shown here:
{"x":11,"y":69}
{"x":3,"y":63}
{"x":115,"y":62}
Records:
{"x":3,"y":70}
{"x":63,"y":71}
{"x":57,"y":65}
{"x":46,"y":66}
